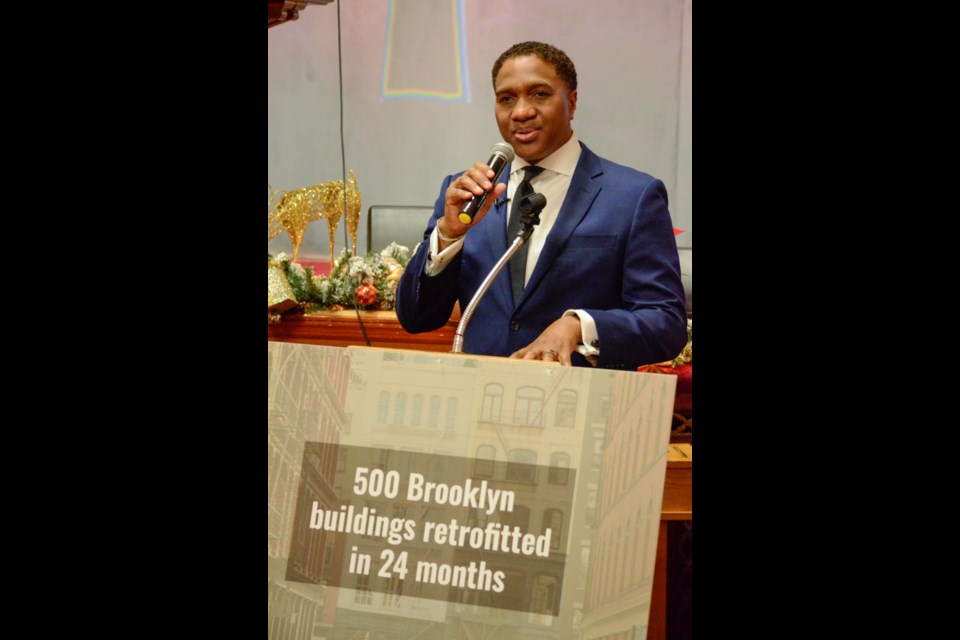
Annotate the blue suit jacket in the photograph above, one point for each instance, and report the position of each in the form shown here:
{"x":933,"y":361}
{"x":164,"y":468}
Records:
{"x":611,"y":252}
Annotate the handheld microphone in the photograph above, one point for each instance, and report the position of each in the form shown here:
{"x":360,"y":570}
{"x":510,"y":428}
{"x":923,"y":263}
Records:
{"x":501,"y":155}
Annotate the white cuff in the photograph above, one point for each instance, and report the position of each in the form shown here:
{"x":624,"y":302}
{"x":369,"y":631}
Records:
{"x":437,"y":260}
{"x":588,"y":334}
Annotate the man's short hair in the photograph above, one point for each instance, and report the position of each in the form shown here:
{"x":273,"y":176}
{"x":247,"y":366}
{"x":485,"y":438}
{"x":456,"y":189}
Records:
{"x":546,"y":52}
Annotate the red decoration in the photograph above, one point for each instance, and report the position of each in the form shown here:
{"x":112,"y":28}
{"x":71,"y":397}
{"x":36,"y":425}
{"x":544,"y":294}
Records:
{"x":676,"y":231}
{"x":366,"y":294}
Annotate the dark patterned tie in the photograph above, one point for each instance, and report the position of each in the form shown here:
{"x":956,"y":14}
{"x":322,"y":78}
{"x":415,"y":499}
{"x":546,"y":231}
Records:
{"x":518,"y":263}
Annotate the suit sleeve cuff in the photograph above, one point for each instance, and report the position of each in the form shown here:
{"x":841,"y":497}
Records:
{"x":590,"y":347}
{"x":438,"y":260}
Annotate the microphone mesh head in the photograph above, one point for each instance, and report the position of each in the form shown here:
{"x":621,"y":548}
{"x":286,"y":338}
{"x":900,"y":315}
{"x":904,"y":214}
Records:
{"x":503,"y":149}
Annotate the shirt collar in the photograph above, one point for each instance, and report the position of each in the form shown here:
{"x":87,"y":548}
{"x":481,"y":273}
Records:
{"x":563,"y":160}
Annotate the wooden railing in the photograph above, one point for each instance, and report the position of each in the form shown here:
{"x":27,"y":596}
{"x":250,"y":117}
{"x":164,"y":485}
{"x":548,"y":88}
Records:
{"x":343,"y":329}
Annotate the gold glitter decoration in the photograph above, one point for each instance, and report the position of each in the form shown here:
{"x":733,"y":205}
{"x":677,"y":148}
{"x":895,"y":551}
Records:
{"x":353,"y":211}
{"x":333,"y":207}
{"x":273,"y":224}
{"x":280,"y":296}
{"x":294,"y":210}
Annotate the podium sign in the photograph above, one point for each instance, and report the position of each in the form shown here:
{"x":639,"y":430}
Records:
{"x":432,"y":495}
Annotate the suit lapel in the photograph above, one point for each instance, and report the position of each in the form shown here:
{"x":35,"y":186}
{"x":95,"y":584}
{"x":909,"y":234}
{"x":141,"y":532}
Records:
{"x":584,"y":188}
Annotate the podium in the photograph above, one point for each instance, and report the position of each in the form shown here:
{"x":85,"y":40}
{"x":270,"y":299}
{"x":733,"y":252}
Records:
{"x":418,"y":494}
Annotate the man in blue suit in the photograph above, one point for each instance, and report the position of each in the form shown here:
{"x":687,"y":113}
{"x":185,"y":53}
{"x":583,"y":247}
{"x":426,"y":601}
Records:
{"x":601,"y":283}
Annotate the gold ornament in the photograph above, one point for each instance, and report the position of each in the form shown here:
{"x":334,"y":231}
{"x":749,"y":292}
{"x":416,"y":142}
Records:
{"x":280,"y":296}
{"x":273,"y":224}
{"x":332,"y":199}
{"x":353,"y":211}
{"x":335,"y":201}
{"x":294,"y":210}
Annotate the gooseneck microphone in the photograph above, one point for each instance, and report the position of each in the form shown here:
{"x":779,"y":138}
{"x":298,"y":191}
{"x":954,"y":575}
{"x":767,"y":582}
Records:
{"x":500,"y":156}
{"x":530,"y":207}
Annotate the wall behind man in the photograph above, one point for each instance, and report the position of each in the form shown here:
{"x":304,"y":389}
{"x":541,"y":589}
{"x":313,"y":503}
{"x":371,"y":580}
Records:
{"x":418,"y":98}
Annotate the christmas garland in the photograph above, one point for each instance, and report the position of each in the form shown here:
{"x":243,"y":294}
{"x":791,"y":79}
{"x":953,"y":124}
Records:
{"x":368,"y":283}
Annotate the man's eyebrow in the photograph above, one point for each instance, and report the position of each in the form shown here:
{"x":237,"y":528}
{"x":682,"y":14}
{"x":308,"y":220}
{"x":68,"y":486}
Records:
{"x":529,"y":87}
